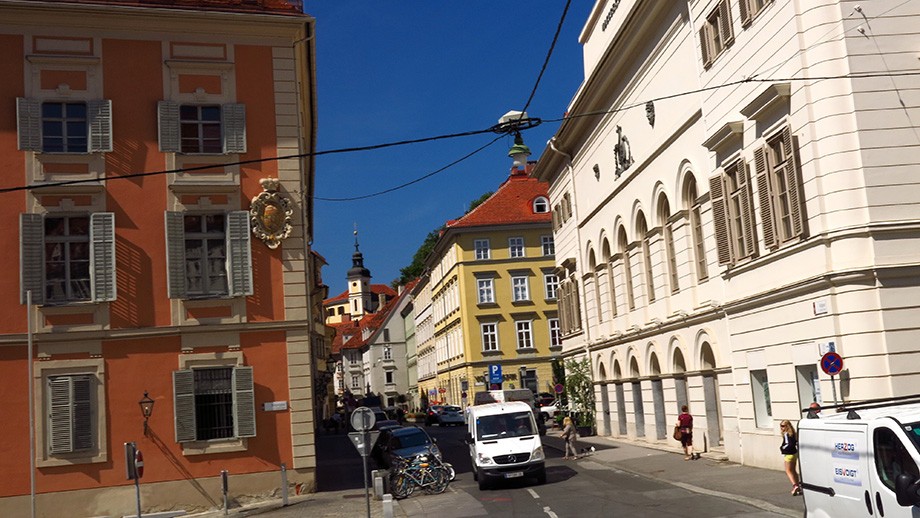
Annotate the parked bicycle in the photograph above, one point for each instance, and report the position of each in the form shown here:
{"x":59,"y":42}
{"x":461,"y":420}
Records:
{"x":424,"y":471}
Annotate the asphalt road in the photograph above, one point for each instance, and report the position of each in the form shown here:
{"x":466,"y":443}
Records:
{"x":581,"y":488}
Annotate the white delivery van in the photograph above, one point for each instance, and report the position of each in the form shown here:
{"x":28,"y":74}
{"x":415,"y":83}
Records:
{"x":504,"y":443}
{"x":863,"y":460}
{"x":500,"y":396}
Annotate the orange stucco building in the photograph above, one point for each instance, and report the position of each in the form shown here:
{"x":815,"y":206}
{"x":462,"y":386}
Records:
{"x":164,"y":249}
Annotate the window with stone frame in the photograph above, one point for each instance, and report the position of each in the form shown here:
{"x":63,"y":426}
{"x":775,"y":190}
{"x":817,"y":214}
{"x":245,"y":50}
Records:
{"x":524,"y":332}
{"x":515,"y":247}
{"x":550,"y":285}
{"x":555,"y":333}
{"x":489,"y":333}
{"x":67,"y":258}
{"x":733,"y":213}
{"x":64,"y":126}
{"x":214,"y":403}
{"x":520,"y":288}
{"x":481,"y":248}
{"x":750,"y":9}
{"x":548,"y":245}
{"x":716,"y":33}
{"x":70,"y":413}
{"x":201,"y":129}
{"x":696,"y":231}
{"x":779,"y":190}
{"x":208,"y":255}
{"x":486,"y":291}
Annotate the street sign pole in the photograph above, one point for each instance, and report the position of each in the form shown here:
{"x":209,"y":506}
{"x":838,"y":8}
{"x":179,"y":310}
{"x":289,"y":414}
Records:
{"x":363,"y":420}
{"x":367,"y":494}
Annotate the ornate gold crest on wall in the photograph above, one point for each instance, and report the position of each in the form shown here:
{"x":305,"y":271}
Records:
{"x":270,"y":214}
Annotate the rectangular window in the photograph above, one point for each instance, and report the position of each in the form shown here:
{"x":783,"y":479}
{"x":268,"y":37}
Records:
{"x":201,"y":128}
{"x":389,"y":376}
{"x":808,"y":384}
{"x":549,"y":246}
{"x":516,"y":247}
{"x":214,"y":403}
{"x":696,"y":229}
{"x":70,"y":416}
{"x":550,"y":285}
{"x":779,"y":189}
{"x":67,"y":258}
{"x":716,"y":33}
{"x":205,"y":255}
{"x":486,"y":291}
{"x":760,"y":388}
{"x":481,"y":246}
{"x":489,"y":337}
{"x":386,"y":335}
{"x":524,"y":334}
{"x":355,"y":382}
{"x":555,"y":333}
{"x":749,"y":9}
{"x":64,"y":127}
{"x":208,"y":255}
{"x":733,"y":214}
{"x":519,"y":289}
{"x":387,"y":353}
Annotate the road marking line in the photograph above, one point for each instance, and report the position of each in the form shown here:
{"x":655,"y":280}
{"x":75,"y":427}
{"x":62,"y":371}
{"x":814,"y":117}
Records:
{"x":533,"y":493}
{"x":549,"y":512}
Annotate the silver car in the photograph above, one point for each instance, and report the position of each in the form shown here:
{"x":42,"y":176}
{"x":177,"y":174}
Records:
{"x":450,"y":414}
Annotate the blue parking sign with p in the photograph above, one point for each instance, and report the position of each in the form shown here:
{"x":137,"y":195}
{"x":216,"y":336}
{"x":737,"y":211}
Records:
{"x":495,"y":373}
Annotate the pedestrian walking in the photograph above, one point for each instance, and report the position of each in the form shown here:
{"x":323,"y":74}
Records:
{"x":569,"y":434}
{"x":337,"y":421}
{"x":790,"y":451}
{"x":685,"y":423}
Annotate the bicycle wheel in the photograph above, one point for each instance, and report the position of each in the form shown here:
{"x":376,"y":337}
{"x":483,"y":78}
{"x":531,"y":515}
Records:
{"x":401,"y":485}
{"x":439,"y":480}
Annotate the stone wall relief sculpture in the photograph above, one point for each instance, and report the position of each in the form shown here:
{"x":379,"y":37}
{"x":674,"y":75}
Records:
{"x":622,"y":151}
{"x":270,"y":214}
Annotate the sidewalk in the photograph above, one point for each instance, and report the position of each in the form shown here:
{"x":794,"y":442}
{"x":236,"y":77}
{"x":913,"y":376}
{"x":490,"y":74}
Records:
{"x":712,"y":474}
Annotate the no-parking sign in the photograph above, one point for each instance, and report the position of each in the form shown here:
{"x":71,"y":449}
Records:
{"x":831,"y":363}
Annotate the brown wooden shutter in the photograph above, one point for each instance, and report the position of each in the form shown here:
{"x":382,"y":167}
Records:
{"x":720,"y":219}
{"x":745,"y":12}
{"x":725,"y":24}
{"x":793,"y":183}
{"x":765,"y":196}
{"x":704,"y":44}
{"x":747,"y":211}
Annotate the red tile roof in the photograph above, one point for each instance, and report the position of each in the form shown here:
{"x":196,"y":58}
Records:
{"x":512,"y":203}
{"x":292,"y":7}
{"x":371,"y":322}
{"x":376,"y":289}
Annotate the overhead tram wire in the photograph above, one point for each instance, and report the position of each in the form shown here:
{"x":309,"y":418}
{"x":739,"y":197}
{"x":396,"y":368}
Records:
{"x":502,"y":129}
{"x":548,"y":55}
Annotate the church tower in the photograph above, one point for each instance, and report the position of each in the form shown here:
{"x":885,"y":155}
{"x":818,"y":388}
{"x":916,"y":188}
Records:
{"x":360,"y":298}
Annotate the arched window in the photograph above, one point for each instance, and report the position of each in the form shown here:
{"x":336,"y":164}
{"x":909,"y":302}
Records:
{"x":623,"y":245}
{"x":664,"y":213}
{"x":540,"y":205}
{"x":592,"y":266}
{"x":642,"y":231}
{"x":692,"y":203}
{"x":608,"y":263}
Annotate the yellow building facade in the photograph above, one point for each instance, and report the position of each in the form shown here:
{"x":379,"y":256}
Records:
{"x":492,"y":293}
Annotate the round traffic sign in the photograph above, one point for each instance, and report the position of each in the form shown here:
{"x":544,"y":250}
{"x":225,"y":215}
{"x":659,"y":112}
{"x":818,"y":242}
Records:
{"x":139,"y":463}
{"x":559,"y":388}
{"x":831,"y":363}
{"x":363,"y":419}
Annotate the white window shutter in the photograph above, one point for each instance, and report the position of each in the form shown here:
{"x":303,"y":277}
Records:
{"x":60,"y":415}
{"x":233,"y":120}
{"x":720,"y":219}
{"x":239,"y":254}
{"x":176,"y":285}
{"x":100,"y":126}
{"x":168,"y":121}
{"x":244,"y":403}
{"x":102,"y":256}
{"x":765,"y":197}
{"x":31,"y":257}
{"x":184,"y":405}
{"x":29,"y":123}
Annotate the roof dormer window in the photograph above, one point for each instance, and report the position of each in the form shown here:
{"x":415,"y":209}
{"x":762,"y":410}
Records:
{"x":540,"y":205}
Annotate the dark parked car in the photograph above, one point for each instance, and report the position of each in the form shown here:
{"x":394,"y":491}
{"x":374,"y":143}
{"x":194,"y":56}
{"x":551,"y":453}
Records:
{"x":431,"y":416}
{"x":402,"y":442}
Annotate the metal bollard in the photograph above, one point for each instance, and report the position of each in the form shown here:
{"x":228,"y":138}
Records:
{"x":378,"y":478}
{"x":284,"y":485}
{"x":387,"y":506}
{"x":225,"y":487}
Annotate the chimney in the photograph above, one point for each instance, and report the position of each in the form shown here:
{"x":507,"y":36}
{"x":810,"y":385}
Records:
{"x":381,"y":300}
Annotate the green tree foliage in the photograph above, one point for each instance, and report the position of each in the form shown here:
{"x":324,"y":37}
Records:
{"x":579,"y":388}
{"x":417,"y":267}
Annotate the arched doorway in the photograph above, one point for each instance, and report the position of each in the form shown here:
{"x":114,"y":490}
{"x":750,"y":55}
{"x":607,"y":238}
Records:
{"x":638,"y":407}
{"x":621,"y":398}
{"x":605,"y":399}
{"x":680,"y":380}
{"x":711,"y":394}
{"x":661,"y":424}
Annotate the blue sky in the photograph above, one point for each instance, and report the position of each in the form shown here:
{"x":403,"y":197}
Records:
{"x":394,"y":71}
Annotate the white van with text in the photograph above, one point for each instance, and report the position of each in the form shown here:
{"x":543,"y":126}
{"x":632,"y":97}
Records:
{"x":504,"y":443}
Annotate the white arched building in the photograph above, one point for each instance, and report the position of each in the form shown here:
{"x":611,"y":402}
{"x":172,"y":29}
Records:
{"x":735,"y":193}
